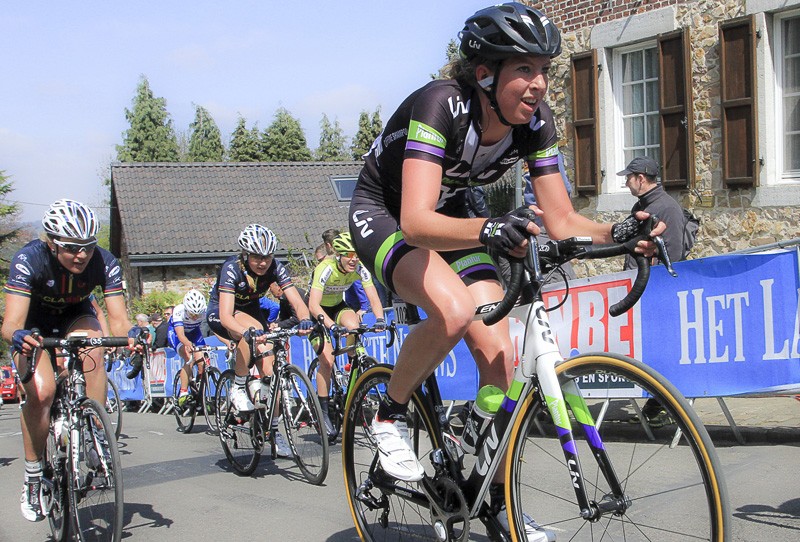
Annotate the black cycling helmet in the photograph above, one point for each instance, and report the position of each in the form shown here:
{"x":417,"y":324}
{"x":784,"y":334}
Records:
{"x":505,"y":30}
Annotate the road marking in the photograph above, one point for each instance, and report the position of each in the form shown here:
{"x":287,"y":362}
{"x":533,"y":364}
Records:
{"x":157,"y":433}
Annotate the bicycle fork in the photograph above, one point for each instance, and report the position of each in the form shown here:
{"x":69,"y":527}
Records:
{"x":540,"y":335}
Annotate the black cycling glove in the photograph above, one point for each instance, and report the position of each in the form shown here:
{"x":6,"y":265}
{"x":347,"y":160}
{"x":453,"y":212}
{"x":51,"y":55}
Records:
{"x":505,"y":233}
{"x":18,"y":338}
{"x":305,"y":325}
{"x":626,"y":230}
{"x":380,"y":324}
{"x":251,"y":334}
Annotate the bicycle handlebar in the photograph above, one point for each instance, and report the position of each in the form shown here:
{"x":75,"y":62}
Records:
{"x":69,"y":343}
{"x":556,"y":253}
{"x":363,"y":328}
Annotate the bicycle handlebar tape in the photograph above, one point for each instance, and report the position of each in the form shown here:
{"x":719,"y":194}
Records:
{"x":505,"y":305}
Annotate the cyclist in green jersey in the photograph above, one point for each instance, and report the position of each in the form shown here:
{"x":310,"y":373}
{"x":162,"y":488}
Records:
{"x":331,"y":278}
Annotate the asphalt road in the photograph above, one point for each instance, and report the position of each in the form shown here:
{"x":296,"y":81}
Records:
{"x":180,"y":487}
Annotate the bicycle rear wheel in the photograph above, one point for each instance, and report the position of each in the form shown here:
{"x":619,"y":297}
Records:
{"x":302,"y":418}
{"x":235,"y":429}
{"x":54,"y":493}
{"x":185,"y":414}
{"x":384,"y":508}
{"x":114,"y":408}
{"x":95,"y":491}
{"x":675,"y":493}
{"x":209,"y":404}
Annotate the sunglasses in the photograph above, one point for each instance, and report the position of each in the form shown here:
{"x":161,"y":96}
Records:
{"x":76,"y":248}
{"x":350,"y":255}
{"x":258,"y":257}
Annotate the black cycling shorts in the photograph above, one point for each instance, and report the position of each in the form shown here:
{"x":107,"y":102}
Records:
{"x":380,"y":246}
{"x":215,"y":325}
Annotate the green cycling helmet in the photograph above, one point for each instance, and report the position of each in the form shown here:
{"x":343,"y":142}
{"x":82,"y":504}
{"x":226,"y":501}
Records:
{"x":343,"y":243}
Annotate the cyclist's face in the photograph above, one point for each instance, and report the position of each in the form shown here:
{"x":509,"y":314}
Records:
{"x":522,"y":86}
{"x":349,"y":261}
{"x":259,"y":264}
{"x":73,"y":254}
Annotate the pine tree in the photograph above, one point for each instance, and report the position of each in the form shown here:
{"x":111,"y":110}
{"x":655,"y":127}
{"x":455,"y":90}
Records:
{"x":205,"y":143}
{"x":151,"y":137}
{"x":368,"y":131}
{"x":284,"y":140}
{"x":332,"y":142}
{"x":8,"y":226}
{"x":452,"y":54}
{"x":245,"y":145}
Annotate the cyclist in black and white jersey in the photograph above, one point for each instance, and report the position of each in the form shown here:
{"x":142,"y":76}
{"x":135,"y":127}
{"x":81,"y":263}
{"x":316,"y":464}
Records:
{"x":408,"y":214}
{"x":233,"y":308}
{"x":49,"y":287}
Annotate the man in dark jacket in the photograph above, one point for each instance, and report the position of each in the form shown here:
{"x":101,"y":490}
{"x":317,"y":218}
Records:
{"x":161,"y":326}
{"x":641,"y":179}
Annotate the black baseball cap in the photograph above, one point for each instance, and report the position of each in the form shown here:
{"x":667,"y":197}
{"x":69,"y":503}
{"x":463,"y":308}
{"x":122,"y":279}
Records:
{"x":643,"y":165}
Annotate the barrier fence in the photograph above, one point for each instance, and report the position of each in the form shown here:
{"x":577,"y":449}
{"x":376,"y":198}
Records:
{"x":728,"y":325}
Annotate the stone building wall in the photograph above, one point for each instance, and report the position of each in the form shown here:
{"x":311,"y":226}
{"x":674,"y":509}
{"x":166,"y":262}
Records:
{"x":177,"y":279}
{"x":729,"y":220}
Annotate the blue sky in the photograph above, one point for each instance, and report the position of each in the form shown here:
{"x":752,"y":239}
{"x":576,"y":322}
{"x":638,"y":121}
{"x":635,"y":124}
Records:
{"x":71,"y":69}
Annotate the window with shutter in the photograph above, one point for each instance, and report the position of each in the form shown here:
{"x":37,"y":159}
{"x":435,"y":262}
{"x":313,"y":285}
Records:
{"x":584,"y":122}
{"x":738,"y":100}
{"x":787,"y":68}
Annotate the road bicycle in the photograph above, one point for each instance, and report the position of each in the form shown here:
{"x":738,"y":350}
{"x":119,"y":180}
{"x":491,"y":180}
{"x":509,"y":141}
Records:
{"x":287,"y":395}
{"x":627,"y":487}
{"x":344,"y":376}
{"x":203,"y":383}
{"x":82,"y":489}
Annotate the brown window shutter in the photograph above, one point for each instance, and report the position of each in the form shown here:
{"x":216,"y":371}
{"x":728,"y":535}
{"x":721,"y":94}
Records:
{"x":584,"y":122}
{"x":738,"y":98}
{"x":675,"y":108}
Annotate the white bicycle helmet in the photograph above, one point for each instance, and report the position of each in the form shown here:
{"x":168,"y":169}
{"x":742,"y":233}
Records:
{"x":194,"y":302}
{"x":69,"y":218}
{"x":257,"y":239}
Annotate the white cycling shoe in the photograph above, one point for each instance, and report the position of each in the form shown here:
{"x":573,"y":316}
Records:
{"x":240,"y":400}
{"x":533,"y":531}
{"x":394,"y":450}
{"x":282,"y":448}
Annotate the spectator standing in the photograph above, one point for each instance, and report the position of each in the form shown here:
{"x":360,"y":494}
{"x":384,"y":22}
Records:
{"x":641,"y":179}
{"x":161,"y":325}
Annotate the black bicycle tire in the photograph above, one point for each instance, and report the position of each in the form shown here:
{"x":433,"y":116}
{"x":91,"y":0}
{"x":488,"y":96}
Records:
{"x":212,"y":375}
{"x":185,"y":423}
{"x":56,"y":500}
{"x":244,"y":468}
{"x":91,"y":531}
{"x":355,"y":435}
{"x":698,"y":445}
{"x":315,"y":475}
{"x":115,"y":409}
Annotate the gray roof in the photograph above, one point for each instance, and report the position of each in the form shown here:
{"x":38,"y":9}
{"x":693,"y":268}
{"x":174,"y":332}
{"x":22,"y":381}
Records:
{"x":171,"y":209}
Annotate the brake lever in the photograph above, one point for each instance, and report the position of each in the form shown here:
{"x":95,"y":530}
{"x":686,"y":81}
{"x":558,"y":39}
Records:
{"x":663,"y":255}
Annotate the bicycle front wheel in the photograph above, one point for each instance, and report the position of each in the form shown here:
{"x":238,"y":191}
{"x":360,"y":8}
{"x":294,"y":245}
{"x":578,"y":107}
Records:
{"x":302,"y":418}
{"x":54,"y":493}
{"x":114,"y":407}
{"x":384,"y":508}
{"x":670,"y":491}
{"x":184,"y":414}
{"x":95,"y":490}
{"x":236,"y":430}
{"x":210,"y":383}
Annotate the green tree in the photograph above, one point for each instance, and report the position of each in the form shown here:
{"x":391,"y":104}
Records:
{"x":284,"y":140}
{"x":332,"y":142}
{"x":245,"y":145}
{"x":451,"y":53}
{"x":151,"y":137}
{"x":205,"y":143}
{"x":368,"y":131}
{"x":8,"y":233}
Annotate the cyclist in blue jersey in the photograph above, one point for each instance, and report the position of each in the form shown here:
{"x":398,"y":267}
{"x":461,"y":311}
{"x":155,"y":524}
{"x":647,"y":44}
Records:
{"x":233,"y":308}
{"x":183,"y":334}
{"x":49,"y":288}
{"x":408,"y":215}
